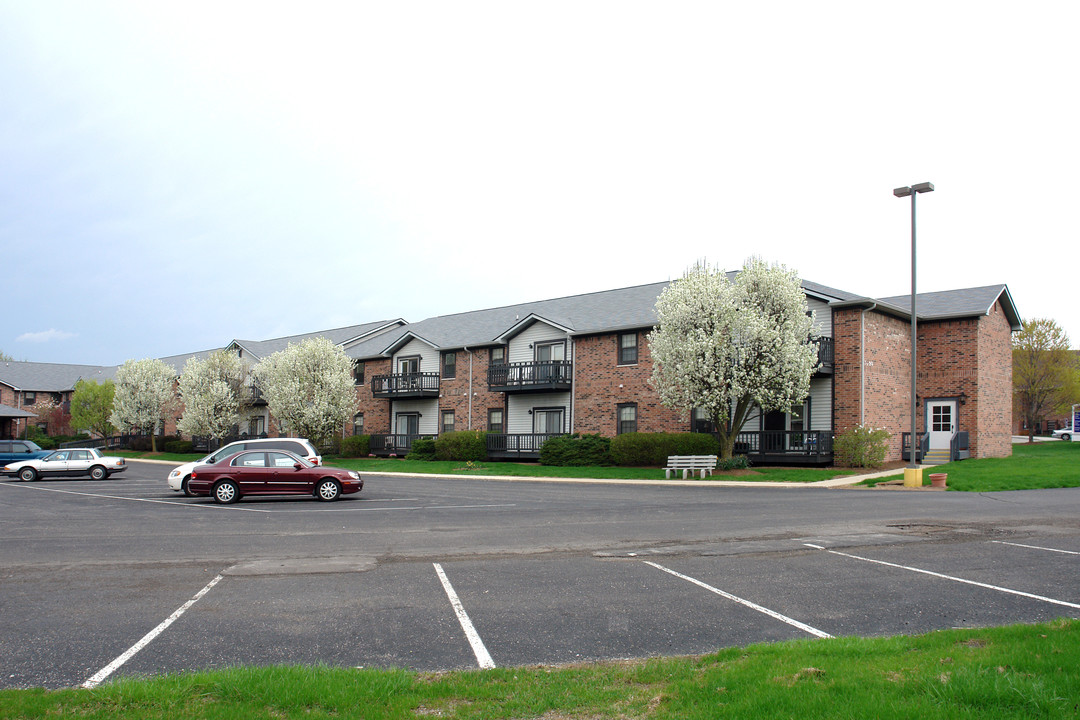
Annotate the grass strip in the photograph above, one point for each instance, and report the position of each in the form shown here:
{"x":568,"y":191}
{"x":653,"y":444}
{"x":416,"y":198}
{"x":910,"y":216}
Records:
{"x":1032,"y":466}
{"x":1018,"y":671}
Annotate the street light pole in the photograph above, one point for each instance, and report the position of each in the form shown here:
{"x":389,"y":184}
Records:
{"x":912,"y":473}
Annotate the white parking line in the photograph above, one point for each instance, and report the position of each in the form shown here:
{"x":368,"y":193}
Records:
{"x":320,"y":508}
{"x":482,"y":657}
{"x":174,"y":503}
{"x":109,"y":669}
{"x":1036,"y":547}
{"x":741,"y":601}
{"x":1010,"y":591}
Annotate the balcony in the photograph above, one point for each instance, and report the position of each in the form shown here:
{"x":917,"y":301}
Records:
{"x":406,"y":385}
{"x":399,"y":444}
{"x":543,"y":376}
{"x":786,"y":447}
{"x":518,"y":446}
{"x":826,"y":355}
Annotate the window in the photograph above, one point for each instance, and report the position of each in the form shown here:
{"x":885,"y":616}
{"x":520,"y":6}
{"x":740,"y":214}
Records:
{"x":495,"y":420}
{"x":255,"y":459}
{"x":358,"y":373}
{"x":358,"y":424}
{"x":81,"y":455}
{"x":407,"y":365}
{"x":29,"y":398}
{"x":255,"y":426}
{"x":498,"y":356}
{"x":408,"y":424}
{"x":548,"y":421}
{"x":448,"y":421}
{"x":449,"y":365}
{"x":627,"y":418}
{"x":700,"y":422}
{"x":628,"y":348}
{"x":550,"y":352}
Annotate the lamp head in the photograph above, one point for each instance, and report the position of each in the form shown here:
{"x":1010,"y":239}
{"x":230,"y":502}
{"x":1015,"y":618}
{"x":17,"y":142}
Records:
{"x":902,"y":192}
{"x":923,"y":187}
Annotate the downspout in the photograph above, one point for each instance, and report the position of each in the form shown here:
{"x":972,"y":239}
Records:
{"x":573,"y":385}
{"x":862,"y":362}
{"x":470,"y":387}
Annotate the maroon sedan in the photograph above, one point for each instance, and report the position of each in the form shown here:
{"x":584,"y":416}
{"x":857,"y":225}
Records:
{"x":270,"y":472}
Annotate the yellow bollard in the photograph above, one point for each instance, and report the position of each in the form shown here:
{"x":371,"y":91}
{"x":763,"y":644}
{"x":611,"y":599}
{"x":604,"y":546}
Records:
{"x":912,"y":477}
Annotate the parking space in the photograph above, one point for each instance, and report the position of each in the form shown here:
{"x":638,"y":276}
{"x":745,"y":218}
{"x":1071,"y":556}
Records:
{"x":110,"y":579}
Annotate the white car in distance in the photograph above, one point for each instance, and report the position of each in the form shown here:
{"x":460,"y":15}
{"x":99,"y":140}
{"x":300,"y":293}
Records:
{"x":178,"y":478}
{"x":73,"y":462}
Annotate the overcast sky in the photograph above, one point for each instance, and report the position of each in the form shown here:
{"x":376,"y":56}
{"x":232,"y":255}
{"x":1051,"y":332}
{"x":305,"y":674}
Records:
{"x":177,"y":175}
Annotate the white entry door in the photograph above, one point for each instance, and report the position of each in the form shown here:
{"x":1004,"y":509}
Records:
{"x":941,"y":419}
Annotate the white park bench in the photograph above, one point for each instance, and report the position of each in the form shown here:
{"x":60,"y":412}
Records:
{"x":690,"y":463}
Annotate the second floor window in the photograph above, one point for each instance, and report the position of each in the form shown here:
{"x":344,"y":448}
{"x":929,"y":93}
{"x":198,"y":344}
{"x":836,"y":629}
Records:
{"x":29,"y":398}
{"x":628,"y":348}
{"x":358,"y":373}
{"x":449,"y":365}
{"x":498,"y":355}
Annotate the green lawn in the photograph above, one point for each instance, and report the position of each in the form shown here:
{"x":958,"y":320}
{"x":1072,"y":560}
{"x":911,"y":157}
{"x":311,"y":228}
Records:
{"x":1032,"y":466}
{"x":1019,"y":671}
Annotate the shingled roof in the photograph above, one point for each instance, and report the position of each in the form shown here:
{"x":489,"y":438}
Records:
{"x":50,"y":377}
{"x":946,"y":304}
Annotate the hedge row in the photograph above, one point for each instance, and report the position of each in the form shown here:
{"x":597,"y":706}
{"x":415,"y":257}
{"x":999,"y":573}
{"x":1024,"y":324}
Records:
{"x":653,"y":449}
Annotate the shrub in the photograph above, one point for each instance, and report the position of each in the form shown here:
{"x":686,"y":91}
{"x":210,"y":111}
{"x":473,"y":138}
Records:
{"x":735,"y":462}
{"x":576,"y":450}
{"x":422,"y":449}
{"x":461,"y":445}
{"x":653,"y":449}
{"x":356,"y":446}
{"x":179,"y":446}
{"x":861,"y":446}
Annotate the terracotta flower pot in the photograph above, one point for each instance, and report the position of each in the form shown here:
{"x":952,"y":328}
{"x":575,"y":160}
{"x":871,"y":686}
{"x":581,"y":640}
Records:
{"x":938,"y":479}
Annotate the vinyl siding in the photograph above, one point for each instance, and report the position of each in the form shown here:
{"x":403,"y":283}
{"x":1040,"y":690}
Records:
{"x":429,"y":356}
{"x":821,"y":403}
{"x":538,"y":332}
{"x":518,"y":406}
{"x":429,"y":414}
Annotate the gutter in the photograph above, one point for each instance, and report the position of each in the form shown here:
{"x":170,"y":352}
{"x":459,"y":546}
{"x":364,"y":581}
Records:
{"x":862,"y":362}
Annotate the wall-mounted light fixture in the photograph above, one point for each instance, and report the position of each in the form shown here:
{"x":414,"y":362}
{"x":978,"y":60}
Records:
{"x":963,"y":398}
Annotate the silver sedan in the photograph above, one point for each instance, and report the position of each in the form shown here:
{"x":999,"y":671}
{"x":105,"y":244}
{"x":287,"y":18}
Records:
{"x":76,"y":462}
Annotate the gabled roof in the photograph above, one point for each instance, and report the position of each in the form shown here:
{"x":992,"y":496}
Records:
{"x":587,"y":314}
{"x":946,"y":304}
{"x":10,"y":413}
{"x":50,"y":377}
{"x":344,"y":336}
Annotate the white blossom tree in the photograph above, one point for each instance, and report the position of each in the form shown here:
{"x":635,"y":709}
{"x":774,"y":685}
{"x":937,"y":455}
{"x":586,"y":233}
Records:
{"x":309,"y":387}
{"x":215,"y":394}
{"x":725,"y":346}
{"x":144,"y":395}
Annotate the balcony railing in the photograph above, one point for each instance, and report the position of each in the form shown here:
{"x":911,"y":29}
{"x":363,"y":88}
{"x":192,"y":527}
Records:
{"x":517,"y":445}
{"x":826,"y":354}
{"x":905,"y":446}
{"x":538,"y":376}
{"x":803,"y":446}
{"x":394,"y":443}
{"x":405,"y":385}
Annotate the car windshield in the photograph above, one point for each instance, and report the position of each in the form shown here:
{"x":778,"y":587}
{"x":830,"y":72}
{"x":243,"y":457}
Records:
{"x":34,"y":447}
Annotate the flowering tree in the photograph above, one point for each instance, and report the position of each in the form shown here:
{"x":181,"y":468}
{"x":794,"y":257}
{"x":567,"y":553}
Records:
{"x":91,"y":406}
{"x":725,"y":346}
{"x":144,"y":396}
{"x":215,"y":393}
{"x":309,"y":388}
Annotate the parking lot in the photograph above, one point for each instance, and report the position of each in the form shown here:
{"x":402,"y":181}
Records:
{"x":123,"y":577}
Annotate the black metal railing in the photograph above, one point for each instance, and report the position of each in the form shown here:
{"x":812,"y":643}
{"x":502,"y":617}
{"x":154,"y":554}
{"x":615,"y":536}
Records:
{"x":517,"y":443}
{"x":905,"y":446}
{"x":394,"y":443}
{"x":826,"y":352}
{"x":794,"y":443}
{"x":405,"y":385}
{"x":541,"y":375}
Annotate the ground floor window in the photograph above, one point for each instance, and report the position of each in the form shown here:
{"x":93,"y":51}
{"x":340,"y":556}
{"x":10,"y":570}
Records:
{"x":358,"y":424}
{"x":547,"y":421}
{"x":495,"y":421}
{"x":448,"y":421}
{"x":627,"y":418}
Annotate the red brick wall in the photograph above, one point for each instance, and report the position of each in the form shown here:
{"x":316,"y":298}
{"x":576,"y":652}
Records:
{"x":601,"y":384}
{"x":376,"y":410}
{"x":995,"y":385}
{"x":454,"y":392}
{"x":885,"y":368}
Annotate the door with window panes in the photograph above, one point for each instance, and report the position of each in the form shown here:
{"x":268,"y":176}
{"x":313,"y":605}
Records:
{"x":548,"y":421}
{"x":941,"y":421}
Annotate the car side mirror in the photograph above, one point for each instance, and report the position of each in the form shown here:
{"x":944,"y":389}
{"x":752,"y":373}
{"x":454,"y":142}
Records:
{"x":298,"y":466}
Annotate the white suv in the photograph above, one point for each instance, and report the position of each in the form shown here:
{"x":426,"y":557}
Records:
{"x":178,"y":478}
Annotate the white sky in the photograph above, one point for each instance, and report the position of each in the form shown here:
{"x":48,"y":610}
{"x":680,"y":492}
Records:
{"x":177,"y":175}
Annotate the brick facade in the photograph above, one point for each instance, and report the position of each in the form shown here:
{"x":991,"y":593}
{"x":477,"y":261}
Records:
{"x":601,"y":384}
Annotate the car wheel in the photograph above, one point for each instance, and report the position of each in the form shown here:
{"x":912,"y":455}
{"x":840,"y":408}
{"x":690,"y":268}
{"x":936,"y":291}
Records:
{"x":184,"y":487}
{"x":328,"y":490}
{"x":1065,"y":437}
{"x":28,"y":474}
{"x":98,"y":473}
{"x":226,"y":492}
